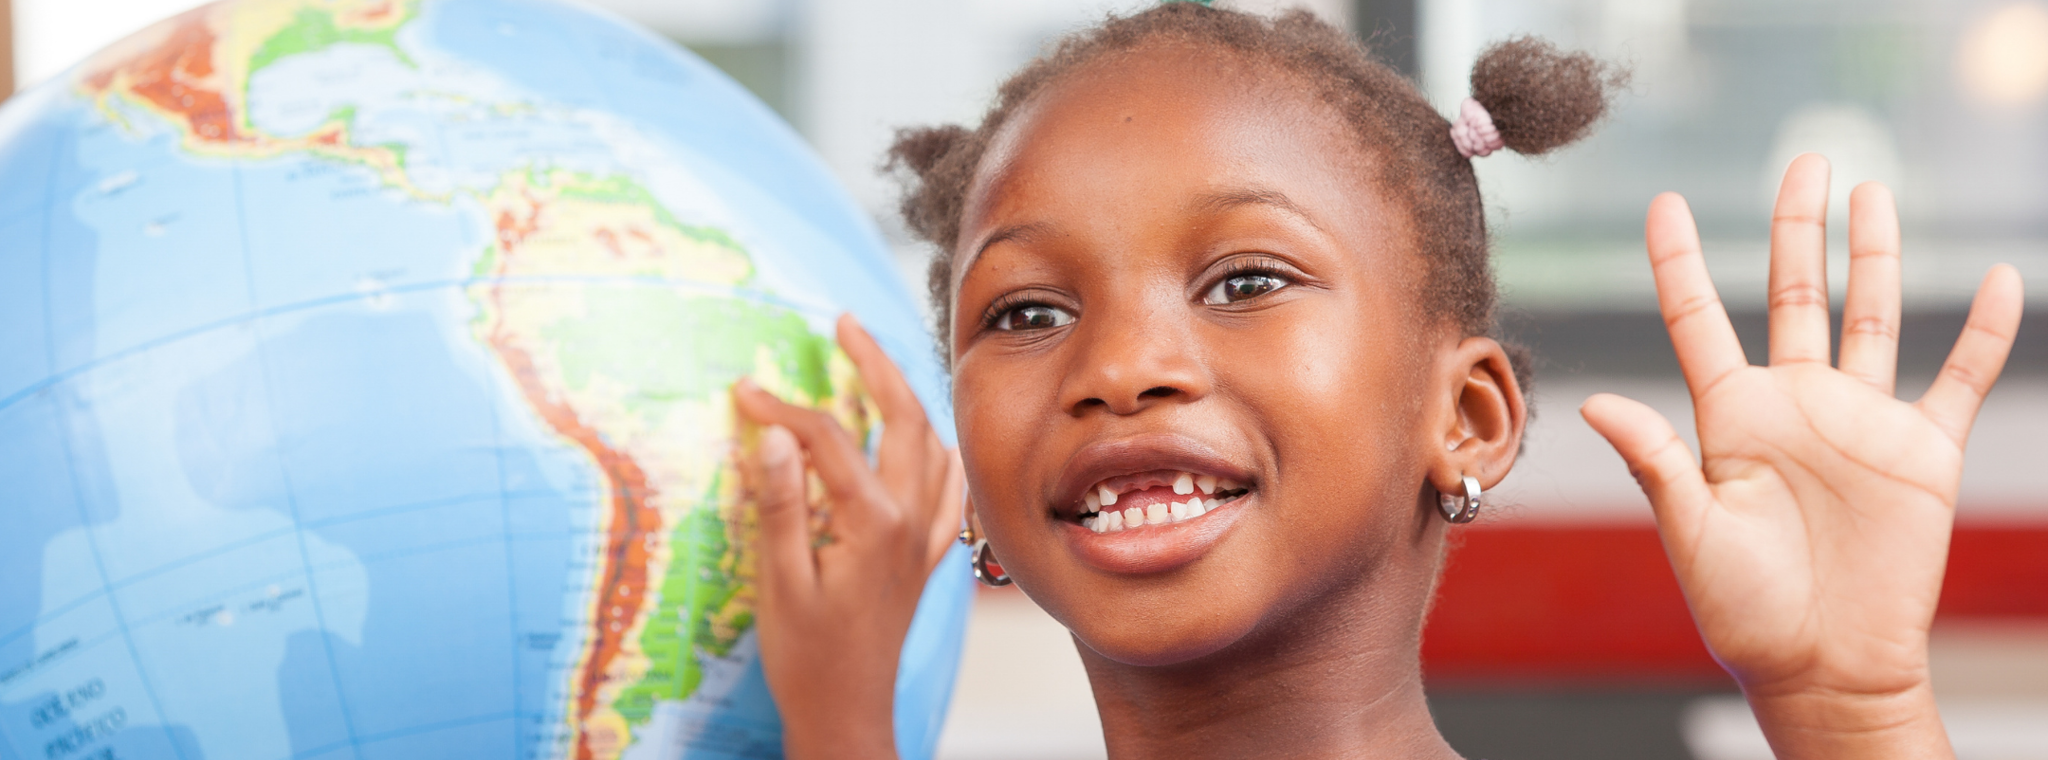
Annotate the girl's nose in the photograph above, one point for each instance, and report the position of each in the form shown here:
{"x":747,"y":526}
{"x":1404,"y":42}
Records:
{"x":1129,"y":362}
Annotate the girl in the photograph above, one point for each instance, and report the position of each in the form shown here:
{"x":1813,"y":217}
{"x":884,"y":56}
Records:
{"x":1215,"y":295}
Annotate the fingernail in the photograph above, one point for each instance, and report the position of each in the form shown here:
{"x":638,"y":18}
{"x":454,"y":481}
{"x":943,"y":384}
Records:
{"x":778,"y":446}
{"x":746,"y":383}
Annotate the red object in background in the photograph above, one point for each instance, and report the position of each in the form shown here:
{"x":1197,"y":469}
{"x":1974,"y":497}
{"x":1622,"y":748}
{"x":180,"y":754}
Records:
{"x":1599,"y":605}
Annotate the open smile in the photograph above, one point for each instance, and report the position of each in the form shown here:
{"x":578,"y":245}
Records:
{"x":1151,"y":503}
{"x":1156,"y":498}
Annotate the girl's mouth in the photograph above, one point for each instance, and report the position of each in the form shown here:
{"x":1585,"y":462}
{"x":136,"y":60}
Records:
{"x":1151,"y":504}
{"x":1157,"y":498}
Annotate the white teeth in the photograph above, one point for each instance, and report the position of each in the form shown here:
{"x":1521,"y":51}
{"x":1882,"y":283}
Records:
{"x":1102,"y":517}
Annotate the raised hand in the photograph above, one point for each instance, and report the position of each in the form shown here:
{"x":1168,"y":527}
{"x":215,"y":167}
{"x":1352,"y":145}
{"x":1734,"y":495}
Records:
{"x":835,"y":607}
{"x":1811,"y":536}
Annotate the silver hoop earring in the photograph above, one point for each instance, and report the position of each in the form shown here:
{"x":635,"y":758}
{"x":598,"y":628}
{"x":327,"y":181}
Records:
{"x":1461,"y":509}
{"x":982,"y":554}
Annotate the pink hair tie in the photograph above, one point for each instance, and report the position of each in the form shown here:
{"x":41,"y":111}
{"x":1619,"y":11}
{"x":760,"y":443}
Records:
{"x":1473,"y":131}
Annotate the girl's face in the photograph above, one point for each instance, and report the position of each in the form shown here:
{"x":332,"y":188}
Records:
{"x":1176,"y":282}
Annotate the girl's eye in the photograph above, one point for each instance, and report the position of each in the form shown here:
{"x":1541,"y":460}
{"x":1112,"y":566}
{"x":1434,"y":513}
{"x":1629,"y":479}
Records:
{"x":1242,"y":287}
{"x":1033,"y":317}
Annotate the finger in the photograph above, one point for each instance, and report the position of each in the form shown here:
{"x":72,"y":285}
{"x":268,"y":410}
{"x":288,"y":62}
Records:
{"x":904,"y":454}
{"x":883,"y":380}
{"x":1658,"y":459}
{"x":936,"y":461}
{"x":775,"y":473}
{"x":1705,"y":342}
{"x":1973,"y":365}
{"x":833,"y":453}
{"x":1799,"y":278}
{"x":1870,"y":317}
{"x":945,"y":518}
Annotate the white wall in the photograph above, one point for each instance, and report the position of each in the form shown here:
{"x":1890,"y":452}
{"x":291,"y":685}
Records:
{"x":51,"y":35}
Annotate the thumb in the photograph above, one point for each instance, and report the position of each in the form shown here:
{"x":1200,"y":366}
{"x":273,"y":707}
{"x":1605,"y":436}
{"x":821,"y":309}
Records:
{"x":776,"y":473}
{"x":1656,"y":456}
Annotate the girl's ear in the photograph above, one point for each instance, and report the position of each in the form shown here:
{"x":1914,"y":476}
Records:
{"x":972,"y":522}
{"x":1482,"y":432}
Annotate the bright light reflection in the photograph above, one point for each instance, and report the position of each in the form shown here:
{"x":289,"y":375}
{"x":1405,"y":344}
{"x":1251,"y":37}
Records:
{"x":2003,"y":58}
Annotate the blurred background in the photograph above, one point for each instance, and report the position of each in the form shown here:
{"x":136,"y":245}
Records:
{"x":1560,"y":632}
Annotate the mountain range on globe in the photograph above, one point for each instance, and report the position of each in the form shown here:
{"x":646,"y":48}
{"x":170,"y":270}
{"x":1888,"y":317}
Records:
{"x":363,"y":390}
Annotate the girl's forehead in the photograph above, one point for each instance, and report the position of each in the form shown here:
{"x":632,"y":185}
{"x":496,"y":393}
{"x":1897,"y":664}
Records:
{"x":1166,"y":90}
{"x":1169,"y":124}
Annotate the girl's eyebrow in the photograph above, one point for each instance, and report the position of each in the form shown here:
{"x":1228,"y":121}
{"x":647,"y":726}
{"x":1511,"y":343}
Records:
{"x":1023,"y":232}
{"x":1229,"y":199}
{"x":1210,"y":203}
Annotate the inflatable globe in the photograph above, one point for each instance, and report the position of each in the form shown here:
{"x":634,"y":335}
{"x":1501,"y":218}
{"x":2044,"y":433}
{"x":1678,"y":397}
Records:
{"x":363,"y":390}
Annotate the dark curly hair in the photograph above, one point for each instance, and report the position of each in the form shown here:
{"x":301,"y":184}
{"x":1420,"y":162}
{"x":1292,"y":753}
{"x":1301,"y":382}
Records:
{"x":1539,"y":98}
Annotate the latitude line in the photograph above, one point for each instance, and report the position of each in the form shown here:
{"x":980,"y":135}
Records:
{"x":747,"y":294}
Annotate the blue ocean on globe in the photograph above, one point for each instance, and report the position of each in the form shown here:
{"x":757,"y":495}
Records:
{"x":363,"y":390}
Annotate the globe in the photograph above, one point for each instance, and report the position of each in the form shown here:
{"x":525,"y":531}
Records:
{"x":363,"y":390}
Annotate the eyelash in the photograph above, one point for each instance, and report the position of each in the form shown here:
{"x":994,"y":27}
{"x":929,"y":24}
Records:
{"x":1009,"y":303}
{"x":1245,"y":265}
{"x":1267,"y":266}
{"x":1239,"y":267}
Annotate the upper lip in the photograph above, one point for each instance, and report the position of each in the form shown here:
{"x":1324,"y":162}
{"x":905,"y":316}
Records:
{"x":1103,"y":460}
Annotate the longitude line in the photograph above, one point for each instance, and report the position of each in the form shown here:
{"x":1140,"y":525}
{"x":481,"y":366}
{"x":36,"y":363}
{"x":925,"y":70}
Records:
{"x":283,"y":471}
{"x":505,"y":517}
{"x":71,"y":462}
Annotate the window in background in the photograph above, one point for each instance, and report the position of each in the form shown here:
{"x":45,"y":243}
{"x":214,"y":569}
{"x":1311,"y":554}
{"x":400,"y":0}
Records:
{"x":747,"y":40}
{"x":1946,"y":101}
{"x":52,"y":35}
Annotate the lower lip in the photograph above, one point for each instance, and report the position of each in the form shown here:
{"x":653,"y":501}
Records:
{"x":1154,"y":549}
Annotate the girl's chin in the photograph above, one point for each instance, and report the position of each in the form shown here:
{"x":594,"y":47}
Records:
{"x":1150,"y":644}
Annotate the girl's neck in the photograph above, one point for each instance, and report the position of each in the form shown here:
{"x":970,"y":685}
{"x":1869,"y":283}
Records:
{"x":1340,"y":678}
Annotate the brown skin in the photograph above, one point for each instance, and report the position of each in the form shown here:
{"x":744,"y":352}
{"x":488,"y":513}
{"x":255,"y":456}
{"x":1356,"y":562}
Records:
{"x":1809,"y":537}
{"x":1296,"y":633}
{"x":856,"y":587}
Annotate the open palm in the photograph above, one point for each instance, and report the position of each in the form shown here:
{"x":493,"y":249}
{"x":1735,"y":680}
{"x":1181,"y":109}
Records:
{"x":1811,"y":536}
